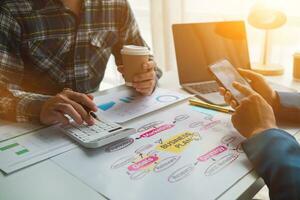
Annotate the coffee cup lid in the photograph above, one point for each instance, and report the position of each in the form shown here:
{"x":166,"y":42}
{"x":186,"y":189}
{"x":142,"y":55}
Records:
{"x":135,"y":50}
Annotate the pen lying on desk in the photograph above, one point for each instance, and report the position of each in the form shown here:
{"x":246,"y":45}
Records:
{"x":199,"y":103}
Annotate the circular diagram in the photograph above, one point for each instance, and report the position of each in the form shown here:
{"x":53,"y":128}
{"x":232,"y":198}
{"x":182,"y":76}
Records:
{"x":166,"y":98}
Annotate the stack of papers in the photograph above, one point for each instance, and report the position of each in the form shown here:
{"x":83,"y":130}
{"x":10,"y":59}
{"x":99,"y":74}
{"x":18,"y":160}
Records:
{"x":40,"y":143}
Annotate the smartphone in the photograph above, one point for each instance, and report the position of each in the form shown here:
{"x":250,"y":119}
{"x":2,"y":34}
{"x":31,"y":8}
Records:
{"x":225,"y":74}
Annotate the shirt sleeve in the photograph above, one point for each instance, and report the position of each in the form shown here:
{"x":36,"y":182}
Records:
{"x":129,"y":34}
{"x":275,"y":155}
{"x":288,"y":107}
{"x":15,"y":104}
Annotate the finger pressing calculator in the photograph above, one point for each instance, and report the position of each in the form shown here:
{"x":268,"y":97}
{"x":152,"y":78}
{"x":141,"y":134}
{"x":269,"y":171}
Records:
{"x":98,"y":135}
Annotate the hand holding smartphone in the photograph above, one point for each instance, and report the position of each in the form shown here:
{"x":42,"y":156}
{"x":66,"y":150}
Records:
{"x":225,"y":74}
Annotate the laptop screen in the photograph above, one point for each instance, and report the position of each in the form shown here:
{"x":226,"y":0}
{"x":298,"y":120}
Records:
{"x":200,"y":45}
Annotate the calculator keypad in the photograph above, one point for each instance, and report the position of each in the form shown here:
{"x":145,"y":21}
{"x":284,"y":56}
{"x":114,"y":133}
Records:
{"x":100,"y":130}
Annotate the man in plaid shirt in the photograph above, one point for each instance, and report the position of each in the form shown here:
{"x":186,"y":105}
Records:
{"x":53,"y":53}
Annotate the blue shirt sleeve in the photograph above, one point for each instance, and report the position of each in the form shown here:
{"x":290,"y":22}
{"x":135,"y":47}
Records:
{"x":275,"y":156}
{"x":288,"y":108}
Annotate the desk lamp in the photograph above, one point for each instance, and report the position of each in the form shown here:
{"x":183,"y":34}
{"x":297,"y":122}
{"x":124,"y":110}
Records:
{"x":267,"y":18}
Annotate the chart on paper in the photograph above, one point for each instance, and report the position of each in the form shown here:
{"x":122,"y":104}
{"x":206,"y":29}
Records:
{"x":125,"y":105}
{"x":177,"y":154}
{"x":31,"y":148}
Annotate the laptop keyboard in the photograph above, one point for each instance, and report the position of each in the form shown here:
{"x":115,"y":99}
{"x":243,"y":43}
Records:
{"x":206,"y":88}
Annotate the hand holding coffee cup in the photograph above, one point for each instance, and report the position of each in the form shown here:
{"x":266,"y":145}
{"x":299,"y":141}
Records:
{"x":137,"y":70}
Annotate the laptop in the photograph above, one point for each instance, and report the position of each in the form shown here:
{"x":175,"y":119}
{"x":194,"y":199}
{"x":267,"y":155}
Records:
{"x":201,"y":44}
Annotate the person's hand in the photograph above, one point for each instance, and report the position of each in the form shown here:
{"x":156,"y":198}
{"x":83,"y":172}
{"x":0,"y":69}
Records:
{"x":253,"y":115}
{"x":144,"y":82}
{"x":258,"y":84}
{"x":69,"y":103}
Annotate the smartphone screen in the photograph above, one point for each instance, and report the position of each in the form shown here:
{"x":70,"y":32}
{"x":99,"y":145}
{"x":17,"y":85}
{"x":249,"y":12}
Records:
{"x":226,"y":74}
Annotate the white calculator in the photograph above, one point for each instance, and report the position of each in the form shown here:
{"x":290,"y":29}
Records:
{"x":98,"y":135}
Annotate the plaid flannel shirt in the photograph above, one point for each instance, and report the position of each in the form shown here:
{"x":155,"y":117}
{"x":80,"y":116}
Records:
{"x":44,"y":47}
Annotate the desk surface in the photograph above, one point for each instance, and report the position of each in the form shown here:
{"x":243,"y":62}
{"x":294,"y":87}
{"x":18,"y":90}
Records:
{"x":46,"y":180}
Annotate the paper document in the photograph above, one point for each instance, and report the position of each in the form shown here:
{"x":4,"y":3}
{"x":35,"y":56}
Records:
{"x":185,"y":152}
{"x":10,"y":130}
{"x":125,"y":105}
{"x":31,"y":148}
